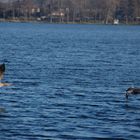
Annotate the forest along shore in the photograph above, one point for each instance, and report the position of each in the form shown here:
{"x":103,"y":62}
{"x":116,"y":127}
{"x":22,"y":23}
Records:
{"x":71,"y":11}
{"x":81,"y":22}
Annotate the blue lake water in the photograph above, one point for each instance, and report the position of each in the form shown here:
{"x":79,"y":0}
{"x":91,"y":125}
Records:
{"x":69,"y":82}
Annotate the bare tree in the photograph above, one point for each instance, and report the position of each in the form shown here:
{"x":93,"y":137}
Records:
{"x":103,"y":11}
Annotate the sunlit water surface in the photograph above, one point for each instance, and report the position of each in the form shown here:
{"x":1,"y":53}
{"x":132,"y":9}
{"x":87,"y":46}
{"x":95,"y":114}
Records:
{"x":69,"y":82}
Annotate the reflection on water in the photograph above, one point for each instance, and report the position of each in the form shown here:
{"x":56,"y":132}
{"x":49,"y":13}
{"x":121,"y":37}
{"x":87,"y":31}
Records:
{"x":69,"y":82}
{"x":2,"y":110}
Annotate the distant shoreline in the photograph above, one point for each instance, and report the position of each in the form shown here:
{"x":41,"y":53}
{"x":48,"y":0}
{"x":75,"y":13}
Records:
{"x":36,"y":21}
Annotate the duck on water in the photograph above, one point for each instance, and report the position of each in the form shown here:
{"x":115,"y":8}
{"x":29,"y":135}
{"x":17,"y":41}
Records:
{"x":132,"y":91}
{"x":2,"y":70}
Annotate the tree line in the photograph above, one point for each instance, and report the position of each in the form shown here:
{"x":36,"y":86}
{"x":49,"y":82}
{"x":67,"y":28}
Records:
{"x":93,"y":11}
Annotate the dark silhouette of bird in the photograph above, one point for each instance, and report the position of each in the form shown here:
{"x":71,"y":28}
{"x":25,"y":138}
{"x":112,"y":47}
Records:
{"x":2,"y":70}
{"x":132,"y":91}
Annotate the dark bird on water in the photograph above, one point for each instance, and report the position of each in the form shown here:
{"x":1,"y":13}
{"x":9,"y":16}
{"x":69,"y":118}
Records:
{"x":2,"y":70}
{"x":132,"y":91}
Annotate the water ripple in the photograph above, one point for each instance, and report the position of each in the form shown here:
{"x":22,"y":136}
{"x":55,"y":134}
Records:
{"x":66,"y":86}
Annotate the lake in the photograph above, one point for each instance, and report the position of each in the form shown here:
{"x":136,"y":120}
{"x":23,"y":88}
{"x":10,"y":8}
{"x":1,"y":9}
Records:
{"x":69,"y":81}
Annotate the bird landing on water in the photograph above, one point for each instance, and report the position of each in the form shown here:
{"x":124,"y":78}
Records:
{"x":132,"y":91}
{"x":2,"y":70}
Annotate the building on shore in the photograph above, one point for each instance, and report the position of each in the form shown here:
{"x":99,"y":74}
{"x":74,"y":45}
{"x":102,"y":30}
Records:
{"x":116,"y":22}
